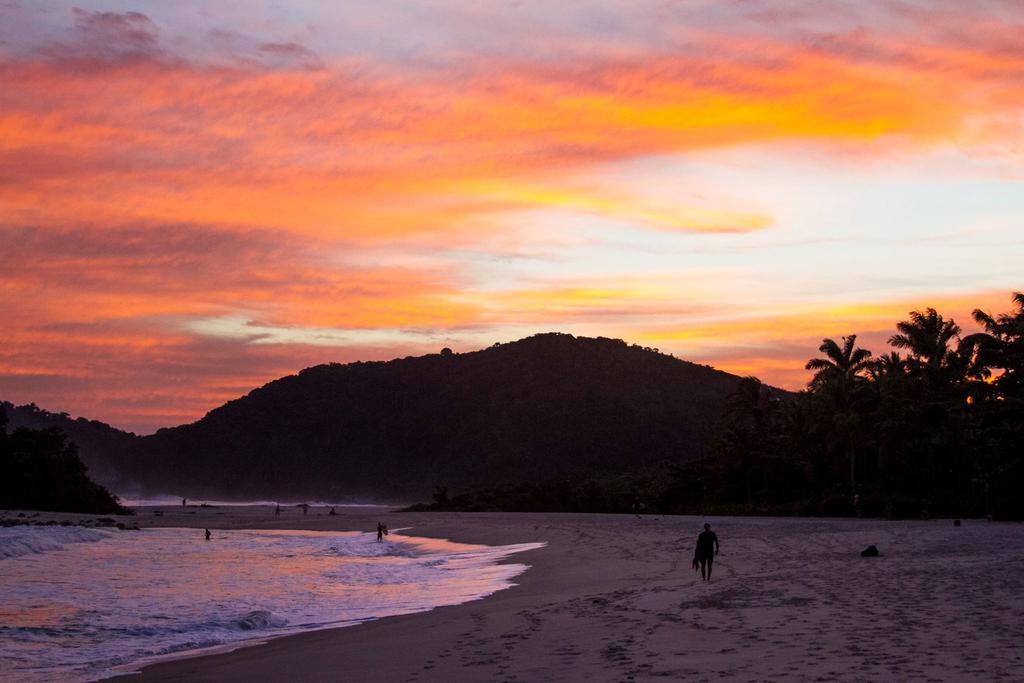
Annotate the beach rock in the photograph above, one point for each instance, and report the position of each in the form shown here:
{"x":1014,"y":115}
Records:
{"x":870,"y":551}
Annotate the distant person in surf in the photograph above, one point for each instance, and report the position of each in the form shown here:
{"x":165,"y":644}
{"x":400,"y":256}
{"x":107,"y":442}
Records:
{"x":332,"y":512}
{"x":182,"y":502}
{"x":704,"y":554}
{"x":277,"y":510}
{"x":380,"y":532}
{"x":207,"y":534}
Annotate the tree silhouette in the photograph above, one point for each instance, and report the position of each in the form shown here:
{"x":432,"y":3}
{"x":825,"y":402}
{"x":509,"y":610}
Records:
{"x":839,"y":379}
{"x":841,"y":369}
{"x":748,"y":418}
{"x":887,"y":368}
{"x":928,"y":336}
{"x":933,"y":425}
{"x":1001,"y":346}
{"x":40,"y":470}
{"x":999,"y":406}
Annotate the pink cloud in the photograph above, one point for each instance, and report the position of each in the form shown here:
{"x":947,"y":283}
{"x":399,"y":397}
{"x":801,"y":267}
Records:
{"x":146,"y":184}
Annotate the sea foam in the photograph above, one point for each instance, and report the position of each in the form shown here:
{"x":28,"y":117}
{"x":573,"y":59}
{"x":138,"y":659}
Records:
{"x":260,"y":619}
{"x":79,"y":604}
{"x":30,"y":540}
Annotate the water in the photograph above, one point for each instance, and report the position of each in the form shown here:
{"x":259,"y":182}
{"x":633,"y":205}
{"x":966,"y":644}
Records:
{"x":77,"y":604}
{"x":175,"y":501}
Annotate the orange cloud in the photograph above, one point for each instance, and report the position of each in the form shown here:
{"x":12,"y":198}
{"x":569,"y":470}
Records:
{"x":774,"y":346}
{"x":356,"y":150}
{"x":180,"y":270}
{"x":143,"y":189}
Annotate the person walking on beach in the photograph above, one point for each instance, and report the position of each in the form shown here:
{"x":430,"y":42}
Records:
{"x":380,"y":532}
{"x":207,"y":534}
{"x":704,"y":554}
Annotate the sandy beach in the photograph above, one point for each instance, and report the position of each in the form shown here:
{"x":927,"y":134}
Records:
{"x":613,"y":597}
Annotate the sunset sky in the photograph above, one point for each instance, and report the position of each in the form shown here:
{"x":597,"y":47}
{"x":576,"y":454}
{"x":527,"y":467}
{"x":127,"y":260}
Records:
{"x":197,"y":198}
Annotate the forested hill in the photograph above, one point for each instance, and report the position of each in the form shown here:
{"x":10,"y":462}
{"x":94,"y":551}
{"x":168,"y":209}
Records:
{"x":546,"y":408}
{"x":102,"y":448}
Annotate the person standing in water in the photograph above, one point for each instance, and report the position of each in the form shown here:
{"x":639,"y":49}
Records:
{"x":707,"y":548}
{"x":207,"y":534}
{"x":380,"y":532}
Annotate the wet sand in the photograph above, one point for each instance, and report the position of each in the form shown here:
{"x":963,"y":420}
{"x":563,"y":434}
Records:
{"x":613,"y":597}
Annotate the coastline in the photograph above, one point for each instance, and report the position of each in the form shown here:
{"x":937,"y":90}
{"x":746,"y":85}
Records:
{"x":612,"y":597}
{"x":235,"y":661}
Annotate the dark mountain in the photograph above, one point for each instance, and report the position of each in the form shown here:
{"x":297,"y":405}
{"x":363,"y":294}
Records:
{"x":102,"y":448}
{"x":546,"y":408}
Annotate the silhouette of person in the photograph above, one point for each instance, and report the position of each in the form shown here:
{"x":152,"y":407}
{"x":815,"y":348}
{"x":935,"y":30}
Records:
{"x":380,"y":532}
{"x":305,"y":509}
{"x":182,"y":502}
{"x":332,"y":512}
{"x":207,"y":534}
{"x":277,"y":510}
{"x":704,"y":554}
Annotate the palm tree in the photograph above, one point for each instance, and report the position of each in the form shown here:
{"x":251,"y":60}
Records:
{"x":887,"y":368}
{"x":888,"y":375}
{"x":927,"y":336}
{"x":839,"y":377}
{"x":841,"y":369}
{"x":1001,"y":346}
{"x":941,"y":366}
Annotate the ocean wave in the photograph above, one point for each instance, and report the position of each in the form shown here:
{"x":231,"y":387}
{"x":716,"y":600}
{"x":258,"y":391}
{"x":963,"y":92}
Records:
{"x":260,"y":619}
{"x":194,"y":644}
{"x":368,"y":549}
{"x":175,"y":501}
{"x":78,"y":614}
{"x":436,"y":562}
{"x":30,"y":540}
{"x":82,"y":625}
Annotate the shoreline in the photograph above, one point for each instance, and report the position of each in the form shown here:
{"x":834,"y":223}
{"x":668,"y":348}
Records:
{"x":245,"y":518}
{"x":612,"y":597}
{"x":192,"y":665}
